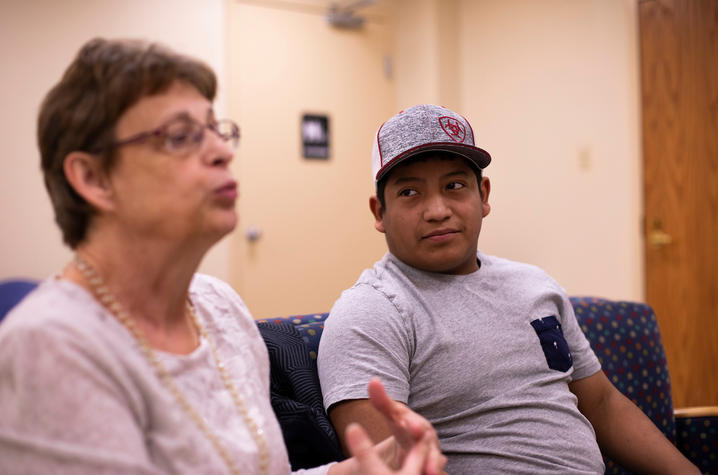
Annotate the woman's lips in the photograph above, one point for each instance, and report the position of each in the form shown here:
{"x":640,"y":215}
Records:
{"x":227,"y":192}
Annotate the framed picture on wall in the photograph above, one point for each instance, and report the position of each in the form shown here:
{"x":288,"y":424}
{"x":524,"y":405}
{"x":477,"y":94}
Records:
{"x":315,"y":136}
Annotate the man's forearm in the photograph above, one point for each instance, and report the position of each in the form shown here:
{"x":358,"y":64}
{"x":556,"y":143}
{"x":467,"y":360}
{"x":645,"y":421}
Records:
{"x":361,"y":411}
{"x":624,"y":432}
{"x":632,"y":440}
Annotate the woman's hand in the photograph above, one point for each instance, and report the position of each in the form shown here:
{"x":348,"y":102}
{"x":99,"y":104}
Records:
{"x":370,"y":459}
{"x":412,"y":449}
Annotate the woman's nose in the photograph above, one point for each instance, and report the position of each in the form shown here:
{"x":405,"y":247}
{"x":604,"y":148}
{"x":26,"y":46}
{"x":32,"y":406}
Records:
{"x":217,"y":151}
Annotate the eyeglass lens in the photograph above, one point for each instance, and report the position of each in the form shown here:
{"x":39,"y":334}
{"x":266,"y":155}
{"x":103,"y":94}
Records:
{"x":184,"y":135}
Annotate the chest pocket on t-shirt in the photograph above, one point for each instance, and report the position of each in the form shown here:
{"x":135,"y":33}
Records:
{"x":554,"y":345}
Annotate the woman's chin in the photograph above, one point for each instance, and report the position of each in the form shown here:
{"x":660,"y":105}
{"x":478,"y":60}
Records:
{"x":227,"y":224}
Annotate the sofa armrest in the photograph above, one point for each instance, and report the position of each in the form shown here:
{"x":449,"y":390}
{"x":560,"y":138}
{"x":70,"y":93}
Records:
{"x":697,"y":436}
{"x":698,"y":411}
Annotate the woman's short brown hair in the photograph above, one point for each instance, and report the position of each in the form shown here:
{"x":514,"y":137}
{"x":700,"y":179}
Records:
{"x":80,"y":113}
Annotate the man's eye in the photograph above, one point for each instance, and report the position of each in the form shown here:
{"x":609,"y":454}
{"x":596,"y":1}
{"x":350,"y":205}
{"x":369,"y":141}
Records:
{"x":407,"y":192}
{"x":455,"y":185}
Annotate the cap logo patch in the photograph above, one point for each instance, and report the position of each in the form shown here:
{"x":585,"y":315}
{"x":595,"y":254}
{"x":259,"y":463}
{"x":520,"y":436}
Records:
{"x":453,"y":128}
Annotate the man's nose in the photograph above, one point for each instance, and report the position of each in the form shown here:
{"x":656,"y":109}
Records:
{"x":436,"y":208}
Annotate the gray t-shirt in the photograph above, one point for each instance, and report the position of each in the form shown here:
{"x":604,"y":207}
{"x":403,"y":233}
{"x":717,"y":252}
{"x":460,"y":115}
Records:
{"x":78,"y":397}
{"x":485,"y":357}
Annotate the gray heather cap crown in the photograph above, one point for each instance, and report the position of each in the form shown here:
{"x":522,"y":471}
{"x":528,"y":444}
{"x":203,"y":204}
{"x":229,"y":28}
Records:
{"x":423,"y":128}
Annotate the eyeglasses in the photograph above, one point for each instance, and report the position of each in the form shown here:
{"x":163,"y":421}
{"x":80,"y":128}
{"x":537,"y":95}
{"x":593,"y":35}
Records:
{"x":183,"y":135}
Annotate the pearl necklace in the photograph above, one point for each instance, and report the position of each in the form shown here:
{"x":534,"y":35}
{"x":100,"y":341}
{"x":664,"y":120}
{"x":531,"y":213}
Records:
{"x":102,"y":293}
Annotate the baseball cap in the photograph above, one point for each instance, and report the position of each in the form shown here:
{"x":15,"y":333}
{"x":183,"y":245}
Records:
{"x":424,"y":128}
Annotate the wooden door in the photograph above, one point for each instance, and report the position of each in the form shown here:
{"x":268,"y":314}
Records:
{"x":679,"y":71}
{"x":316,"y":231}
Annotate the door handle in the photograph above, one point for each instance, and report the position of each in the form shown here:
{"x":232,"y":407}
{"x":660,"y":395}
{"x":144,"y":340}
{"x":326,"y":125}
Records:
{"x":658,"y":238}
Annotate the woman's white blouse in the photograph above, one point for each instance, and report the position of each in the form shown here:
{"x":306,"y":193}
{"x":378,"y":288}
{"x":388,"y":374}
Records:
{"x":78,"y":396}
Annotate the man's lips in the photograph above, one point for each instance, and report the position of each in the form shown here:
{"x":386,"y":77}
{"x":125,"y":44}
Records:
{"x":439,"y":233}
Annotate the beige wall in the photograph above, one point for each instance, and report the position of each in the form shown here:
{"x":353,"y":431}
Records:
{"x":317,"y":231}
{"x":550,"y":86}
{"x":427,"y":52}
{"x":38,"y":40}
{"x":551,"y":89}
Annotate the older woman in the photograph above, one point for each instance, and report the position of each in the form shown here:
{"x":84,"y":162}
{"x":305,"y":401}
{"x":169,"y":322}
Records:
{"x":128,"y":361}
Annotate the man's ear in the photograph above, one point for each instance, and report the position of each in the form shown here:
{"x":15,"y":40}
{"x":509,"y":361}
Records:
{"x":485,"y":187}
{"x":85,"y":174}
{"x":378,"y":211}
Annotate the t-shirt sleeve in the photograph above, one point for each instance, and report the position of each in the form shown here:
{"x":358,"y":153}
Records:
{"x":61,"y":411}
{"x":585,"y":362}
{"x":364,"y":337}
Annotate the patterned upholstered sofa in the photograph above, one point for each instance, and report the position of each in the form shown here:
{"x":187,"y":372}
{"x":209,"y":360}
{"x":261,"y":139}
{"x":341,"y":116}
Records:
{"x":624,"y":335}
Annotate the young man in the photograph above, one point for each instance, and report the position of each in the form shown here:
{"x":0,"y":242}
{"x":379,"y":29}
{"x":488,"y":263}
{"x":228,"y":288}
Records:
{"x":488,"y":350}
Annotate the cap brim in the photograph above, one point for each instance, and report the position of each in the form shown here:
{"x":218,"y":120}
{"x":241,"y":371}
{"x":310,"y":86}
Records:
{"x":476,"y":156}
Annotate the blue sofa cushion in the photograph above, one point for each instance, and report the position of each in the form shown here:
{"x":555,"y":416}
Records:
{"x":697,"y":438}
{"x":297,"y":398}
{"x":627,"y":342}
{"x":12,"y":291}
